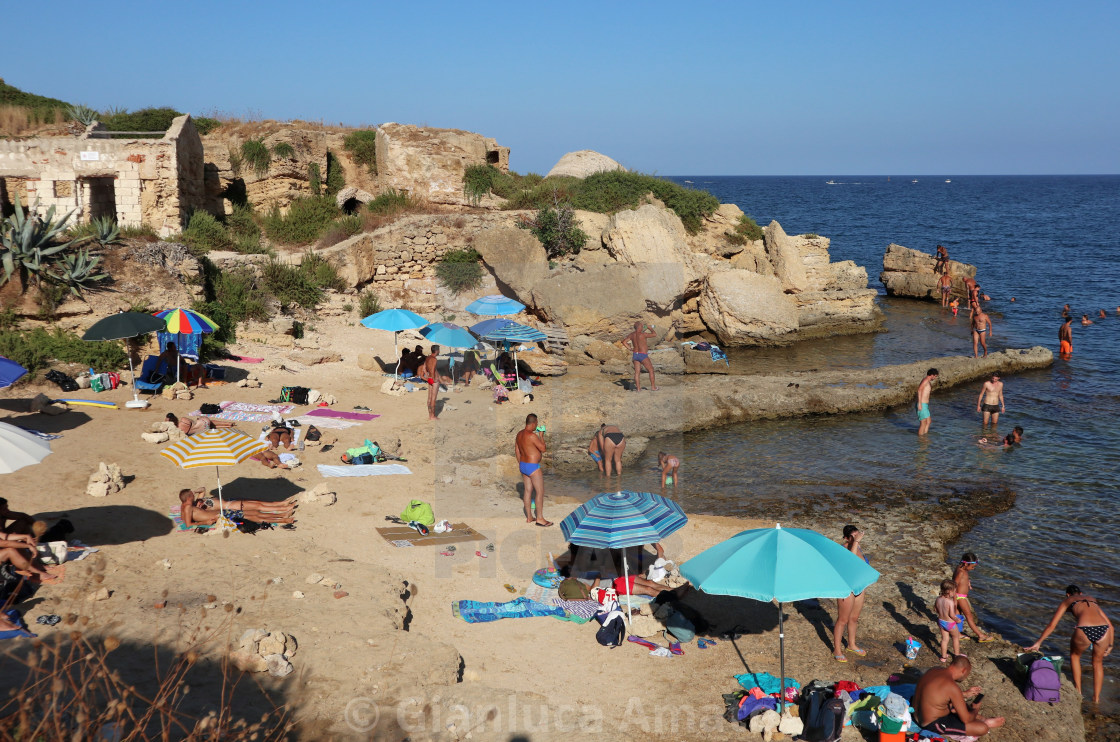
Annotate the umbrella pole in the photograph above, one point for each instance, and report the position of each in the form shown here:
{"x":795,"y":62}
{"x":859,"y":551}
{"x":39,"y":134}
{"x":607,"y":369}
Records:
{"x":626,"y":577}
{"x":782,"y":654}
{"x":221,"y":504}
{"x":397,"y":370}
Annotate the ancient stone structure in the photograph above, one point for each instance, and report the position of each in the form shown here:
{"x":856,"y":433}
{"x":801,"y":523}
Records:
{"x":152,"y":182}
{"x":429,"y":163}
{"x":583,"y":163}
{"x":908,"y":272}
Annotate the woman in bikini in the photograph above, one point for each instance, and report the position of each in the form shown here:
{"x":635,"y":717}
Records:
{"x":849,"y":608}
{"x":612,"y":443}
{"x":1093,"y":630}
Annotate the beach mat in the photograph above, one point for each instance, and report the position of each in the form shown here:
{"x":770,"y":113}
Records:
{"x":177,"y":518}
{"x":401,"y":536}
{"x":324,"y":423}
{"x":247,"y":412}
{"x":362,"y":470}
{"x":341,"y":415}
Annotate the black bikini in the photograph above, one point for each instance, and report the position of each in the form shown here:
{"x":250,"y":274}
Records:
{"x":1093,"y":633}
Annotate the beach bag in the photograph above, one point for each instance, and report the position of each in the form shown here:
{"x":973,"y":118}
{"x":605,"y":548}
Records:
{"x":612,"y":628}
{"x":65,"y":383}
{"x":113,"y":379}
{"x":821,"y":712}
{"x":1043,"y":682}
{"x":294,"y":394}
{"x":419,"y":511}
{"x":573,"y":589}
{"x":676,"y":623}
{"x":97,"y":383}
{"x":357,"y":457}
{"x":313,"y":433}
{"x":210,"y":408}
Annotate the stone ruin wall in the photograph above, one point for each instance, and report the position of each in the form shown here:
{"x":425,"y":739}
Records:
{"x":152,"y":182}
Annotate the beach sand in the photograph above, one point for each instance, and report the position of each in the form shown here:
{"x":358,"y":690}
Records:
{"x":389,"y":660}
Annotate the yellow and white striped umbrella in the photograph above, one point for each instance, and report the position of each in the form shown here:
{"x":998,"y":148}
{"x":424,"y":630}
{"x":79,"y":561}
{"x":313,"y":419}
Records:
{"x":215,"y":447}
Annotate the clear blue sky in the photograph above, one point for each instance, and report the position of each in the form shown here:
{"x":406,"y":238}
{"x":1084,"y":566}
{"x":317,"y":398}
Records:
{"x":713,"y":88}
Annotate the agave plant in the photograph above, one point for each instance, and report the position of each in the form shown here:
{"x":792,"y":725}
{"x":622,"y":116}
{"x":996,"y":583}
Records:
{"x":84,"y":115}
{"x":106,"y":231}
{"x":76,"y":271}
{"x":27,"y":241}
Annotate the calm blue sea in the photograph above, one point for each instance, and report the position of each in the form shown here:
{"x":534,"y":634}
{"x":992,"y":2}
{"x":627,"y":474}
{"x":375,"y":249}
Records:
{"x":1045,"y":241}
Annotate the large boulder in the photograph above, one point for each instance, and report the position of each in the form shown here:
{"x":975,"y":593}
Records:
{"x":786,"y":258}
{"x":744,"y":308}
{"x":515,"y":257}
{"x":603,"y":303}
{"x":652,"y":239}
{"x":429,"y":163}
{"x":583,"y":163}
{"x":908,"y":272}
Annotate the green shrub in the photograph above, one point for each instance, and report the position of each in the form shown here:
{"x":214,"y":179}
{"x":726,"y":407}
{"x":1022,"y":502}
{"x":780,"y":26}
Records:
{"x":84,"y":115}
{"x":142,"y":232}
{"x":557,"y":229}
{"x":205,"y":233}
{"x":368,"y":303}
{"x":283,"y":149}
{"x":314,"y":178}
{"x":459,"y":270}
{"x":307,"y":218}
{"x":747,"y":230}
{"x":336,"y":179}
{"x":244,"y":232}
{"x":391,"y":202}
{"x":290,"y":285}
{"x":362,"y":147}
{"x":255,"y":154}
{"x":341,"y":229}
{"x":236,"y":162}
{"x":321,"y":272}
{"x":232,"y":296}
{"x":478,"y":181}
{"x":205,"y":124}
{"x":37,"y":349}
{"x":40,"y":109}
{"x":146,"y":119}
{"x":810,"y":235}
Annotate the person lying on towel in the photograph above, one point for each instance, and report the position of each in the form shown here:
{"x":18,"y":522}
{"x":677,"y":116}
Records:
{"x":195,"y":512}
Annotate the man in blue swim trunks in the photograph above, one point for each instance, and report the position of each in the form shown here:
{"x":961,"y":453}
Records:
{"x":635,"y":342}
{"x":924,"y":389}
{"x":529,"y":449}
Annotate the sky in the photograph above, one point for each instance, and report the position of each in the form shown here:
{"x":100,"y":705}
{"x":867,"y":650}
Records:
{"x":669,"y":88}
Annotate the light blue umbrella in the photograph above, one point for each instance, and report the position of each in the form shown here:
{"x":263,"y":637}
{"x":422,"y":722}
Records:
{"x":495,"y":304}
{"x":449,"y":334}
{"x":394,"y":320}
{"x":514,"y":332}
{"x":489,"y":325}
{"x":10,"y":372}
{"x":618,"y":520}
{"x":781,"y":565}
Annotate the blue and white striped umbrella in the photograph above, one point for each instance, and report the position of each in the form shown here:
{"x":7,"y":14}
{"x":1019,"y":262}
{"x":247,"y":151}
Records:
{"x":516,"y":332}
{"x":495,"y":304}
{"x":616,"y":520}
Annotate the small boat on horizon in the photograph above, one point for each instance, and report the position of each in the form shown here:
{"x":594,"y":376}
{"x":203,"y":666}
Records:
{"x":914,"y":181}
{"x":948,"y":181}
{"x":830,"y":182}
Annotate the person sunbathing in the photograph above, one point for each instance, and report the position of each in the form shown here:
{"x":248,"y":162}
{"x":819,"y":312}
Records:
{"x":280,"y":437}
{"x":637,"y":585}
{"x":195,"y":512}
{"x":12,"y":548}
{"x":191,"y":426}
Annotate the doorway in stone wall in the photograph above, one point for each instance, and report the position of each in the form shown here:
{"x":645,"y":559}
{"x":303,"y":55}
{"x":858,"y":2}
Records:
{"x":100,"y":197}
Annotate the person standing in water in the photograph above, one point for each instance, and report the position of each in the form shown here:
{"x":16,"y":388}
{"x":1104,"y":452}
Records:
{"x":981,"y":331}
{"x":990,"y":401}
{"x":1065,"y":339}
{"x":1093,"y":630}
{"x":636,"y":343}
{"x":669,"y":466}
{"x":924,"y":388}
{"x":945,"y":283}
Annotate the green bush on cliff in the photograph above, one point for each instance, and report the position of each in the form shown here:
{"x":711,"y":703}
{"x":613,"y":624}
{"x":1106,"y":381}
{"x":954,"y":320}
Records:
{"x":205,"y":233}
{"x":459,"y":270}
{"x":153,"y":120}
{"x":557,"y":229}
{"x":747,"y":230}
{"x":307,"y":218}
{"x":255,"y":154}
{"x":362,"y":146}
{"x":336,"y":180}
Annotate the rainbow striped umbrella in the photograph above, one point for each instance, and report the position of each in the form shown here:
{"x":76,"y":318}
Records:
{"x":215,"y":447}
{"x":186,"y":322}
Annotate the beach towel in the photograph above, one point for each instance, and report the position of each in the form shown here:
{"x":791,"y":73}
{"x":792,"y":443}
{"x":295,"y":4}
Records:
{"x":297,"y":434}
{"x":325,"y":422}
{"x":177,"y":518}
{"x":542,"y":594}
{"x":247,"y":412}
{"x":341,"y":415}
{"x":764,"y":680}
{"x":243,"y":359}
{"x":403,"y":536}
{"x":40,"y":434}
{"x":362,"y":470}
{"x":581,"y":608}
{"x":473,"y":611}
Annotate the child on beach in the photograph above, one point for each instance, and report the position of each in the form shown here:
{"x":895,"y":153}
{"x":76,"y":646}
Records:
{"x":964,"y":584}
{"x":948,"y":619}
{"x":668,"y":465}
{"x":955,"y":304}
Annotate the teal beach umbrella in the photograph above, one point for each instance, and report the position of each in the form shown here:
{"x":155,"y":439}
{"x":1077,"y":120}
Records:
{"x":781,"y":565}
{"x":394,"y":320}
{"x":495,"y":304}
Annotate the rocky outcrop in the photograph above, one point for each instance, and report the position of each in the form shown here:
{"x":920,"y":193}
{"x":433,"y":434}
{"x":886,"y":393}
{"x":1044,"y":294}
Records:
{"x":744,"y":308}
{"x":583,"y":163}
{"x":429,"y":163}
{"x":909,"y":273}
{"x":786,"y":259}
{"x":515,"y":257}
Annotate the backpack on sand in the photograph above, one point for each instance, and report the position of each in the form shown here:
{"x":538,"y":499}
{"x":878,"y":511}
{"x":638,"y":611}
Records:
{"x":612,"y":629}
{"x":821,"y":712}
{"x":1043,"y":682}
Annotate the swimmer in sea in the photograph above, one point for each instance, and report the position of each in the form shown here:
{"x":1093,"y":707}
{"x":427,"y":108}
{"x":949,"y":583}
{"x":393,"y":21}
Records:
{"x":1066,"y":310}
{"x":1085,"y":321}
{"x":981,"y":330}
{"x":1065,"y":339}
{"x":955,"y":305}
{"x":1013,"y":438}
{"x":1102,"y":315}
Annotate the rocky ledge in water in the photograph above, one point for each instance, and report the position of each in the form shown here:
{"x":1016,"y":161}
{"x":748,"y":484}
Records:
{"x":910,"y":273}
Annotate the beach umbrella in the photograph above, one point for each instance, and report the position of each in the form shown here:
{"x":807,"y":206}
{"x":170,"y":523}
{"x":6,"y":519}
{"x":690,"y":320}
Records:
{"x":780,"y":565}
{"x":619,"y":520}
{"x":215,"y":447}
{"x":515,"y":332}
{"x":10,"y":372}
{"x":489,"y":325}
{"x":451,"y":335}
{"x":394,"y":321}
{"x":185,"y":322}
{"x":124,"y":325}
{"x":495,"y":304}
{"x":19,"y":448}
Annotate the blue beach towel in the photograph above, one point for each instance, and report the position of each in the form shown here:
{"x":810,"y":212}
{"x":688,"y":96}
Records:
{"x":474,"y":611}
{"x":764,"y":680}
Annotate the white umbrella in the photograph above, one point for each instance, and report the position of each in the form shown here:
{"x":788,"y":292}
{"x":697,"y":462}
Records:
{"x":18,"y":448}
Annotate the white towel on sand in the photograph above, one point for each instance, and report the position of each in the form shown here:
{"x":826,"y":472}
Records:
{"x":362,"y":470}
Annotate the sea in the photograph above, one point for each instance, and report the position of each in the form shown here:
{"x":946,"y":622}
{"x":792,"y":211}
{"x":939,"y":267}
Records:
{"x":1039,"y":242}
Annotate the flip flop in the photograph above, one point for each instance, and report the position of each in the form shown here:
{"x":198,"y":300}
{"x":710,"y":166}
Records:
{"x":839,"y":658}
{"x":985,"y":641}
{"x":860,"y":652}
{"x":643,"y":642}
{"x":546,"y":524}
{"x":447,"y":553}
{"x":480,"y":555}
{"x":510,"y":588}
{"x":675,"y":648}
{"x":701,"y":644}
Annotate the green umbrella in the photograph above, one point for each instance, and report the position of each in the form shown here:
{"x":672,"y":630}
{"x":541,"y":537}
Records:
{"x":126,"y":325}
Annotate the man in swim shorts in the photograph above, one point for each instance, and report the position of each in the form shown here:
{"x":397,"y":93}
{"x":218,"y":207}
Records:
{"x":941,"y":706}
{"x":990,"y":401}
{"x":945,"y":283}
{"x":529,"y":449}
{"x":635,"y":342}
{"x":1065,"y":338}
{"x":924,"y":388}
{"x":427,"y":371}
{"x":981,"y":330}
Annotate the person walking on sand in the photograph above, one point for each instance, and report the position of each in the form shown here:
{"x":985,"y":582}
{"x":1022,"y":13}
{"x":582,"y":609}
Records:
{"x":849,"y":608}
{"x":1093,"y":629}
{"x":981,"y":330}
{"x":612,"y":443}
{"x":945,"y":283}
{"x":427,"y":371}
{"x":964,"y":586}
{"x":942,"y":707}
{"x":1065,"y":339}
{"x":924,"y":388}
{"x":636,"y":343}
{"x":990,"y":401}
{"x":529,"y":448}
